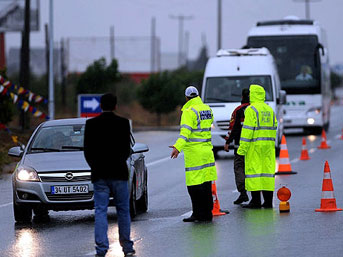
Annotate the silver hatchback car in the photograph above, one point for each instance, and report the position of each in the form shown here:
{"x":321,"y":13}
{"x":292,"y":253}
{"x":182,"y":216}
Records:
{"x":54,"y":175}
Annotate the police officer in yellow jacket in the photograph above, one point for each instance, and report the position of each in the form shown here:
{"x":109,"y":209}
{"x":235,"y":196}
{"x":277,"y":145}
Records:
{"x":195,"y":142}
{"x":257,"y":144}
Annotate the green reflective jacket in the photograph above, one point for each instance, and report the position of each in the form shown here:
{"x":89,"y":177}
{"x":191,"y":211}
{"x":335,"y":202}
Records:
{"x":257,"y":142}
{"x":195,"y":142}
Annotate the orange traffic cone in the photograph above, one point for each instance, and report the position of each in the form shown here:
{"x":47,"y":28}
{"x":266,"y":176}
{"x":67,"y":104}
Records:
{"x":323,"y":144}
{"x":342,"y":135}
{"x":284,"y":164}
{"x":216,"y":211}
{"x":304,"y":153}
{"x":328,"y":201}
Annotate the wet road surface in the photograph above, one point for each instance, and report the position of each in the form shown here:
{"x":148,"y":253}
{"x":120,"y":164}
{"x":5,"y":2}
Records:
{"x":161,"y":232}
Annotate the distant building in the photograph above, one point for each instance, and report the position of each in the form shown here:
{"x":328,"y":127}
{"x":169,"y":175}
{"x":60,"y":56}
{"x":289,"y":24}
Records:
{"x":37,"y":61}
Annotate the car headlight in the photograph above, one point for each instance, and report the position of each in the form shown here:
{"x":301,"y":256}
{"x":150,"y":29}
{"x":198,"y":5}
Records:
{"x":315,"y":110}
{"x":212,"y":126}
{"x":27,"y":174}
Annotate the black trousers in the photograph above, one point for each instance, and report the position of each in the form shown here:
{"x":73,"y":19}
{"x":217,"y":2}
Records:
{"x":202,"y":201}
{"x":267,"y":196}
{"x":238,"y":167}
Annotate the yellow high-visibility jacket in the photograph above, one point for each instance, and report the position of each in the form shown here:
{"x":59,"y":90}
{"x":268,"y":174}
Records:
{"x":195,"y":142}
{"x":257,"y":142}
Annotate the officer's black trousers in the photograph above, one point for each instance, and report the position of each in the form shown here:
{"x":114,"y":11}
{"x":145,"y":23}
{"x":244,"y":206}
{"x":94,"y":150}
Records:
{"x":202,"y":201}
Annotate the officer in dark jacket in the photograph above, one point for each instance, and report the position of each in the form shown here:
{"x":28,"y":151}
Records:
{"x":106,"y":148}
{"x":234,"y":134}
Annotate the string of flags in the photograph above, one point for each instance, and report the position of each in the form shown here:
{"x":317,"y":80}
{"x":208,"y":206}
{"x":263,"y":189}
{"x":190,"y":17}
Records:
{"x":14,"y":138}
{"x":22,"y":104}
{"x":6,"y":85}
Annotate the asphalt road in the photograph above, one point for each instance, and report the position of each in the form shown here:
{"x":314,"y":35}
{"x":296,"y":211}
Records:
{"x":161,"y":232}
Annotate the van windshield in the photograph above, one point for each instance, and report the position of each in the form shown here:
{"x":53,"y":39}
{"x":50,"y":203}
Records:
{"x":229,"y":89}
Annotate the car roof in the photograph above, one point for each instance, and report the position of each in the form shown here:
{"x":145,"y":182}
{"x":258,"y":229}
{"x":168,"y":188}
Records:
{"x":60,"y":122}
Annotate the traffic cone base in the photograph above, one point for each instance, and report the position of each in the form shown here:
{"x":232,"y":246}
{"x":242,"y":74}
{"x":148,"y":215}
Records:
{"x":284,"y":164}
{"x":216,"y":211}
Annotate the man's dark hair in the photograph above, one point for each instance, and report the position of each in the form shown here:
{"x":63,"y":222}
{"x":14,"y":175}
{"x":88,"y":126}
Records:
{"x":108,"y":102}
{"x":245,"y":95}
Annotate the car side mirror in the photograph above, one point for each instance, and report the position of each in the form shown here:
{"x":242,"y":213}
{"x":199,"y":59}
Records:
{"x":15,"y":151}
{"x":320,"y":46}
{"x":140,"y":148}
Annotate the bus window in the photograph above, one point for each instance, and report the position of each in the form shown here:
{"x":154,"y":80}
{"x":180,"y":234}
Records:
{"x":297,"y":59}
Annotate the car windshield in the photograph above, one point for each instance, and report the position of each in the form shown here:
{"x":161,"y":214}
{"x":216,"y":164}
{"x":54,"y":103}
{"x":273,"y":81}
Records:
{"x":297,"y":59}
{"x":229,"y":89}
{"x":58,"y":139}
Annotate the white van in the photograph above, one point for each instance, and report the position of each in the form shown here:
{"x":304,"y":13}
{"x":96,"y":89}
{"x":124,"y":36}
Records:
{"x":225,"y":77}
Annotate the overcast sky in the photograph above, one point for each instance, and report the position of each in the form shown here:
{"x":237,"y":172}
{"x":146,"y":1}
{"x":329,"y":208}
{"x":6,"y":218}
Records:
{"x":88,"y":18}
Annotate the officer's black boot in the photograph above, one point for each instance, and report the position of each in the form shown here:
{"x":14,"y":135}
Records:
{"x":243,"y":197}
{"x":255,"y":202}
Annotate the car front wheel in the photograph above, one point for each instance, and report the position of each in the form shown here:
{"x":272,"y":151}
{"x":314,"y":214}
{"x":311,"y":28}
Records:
{"x":22,"y":213}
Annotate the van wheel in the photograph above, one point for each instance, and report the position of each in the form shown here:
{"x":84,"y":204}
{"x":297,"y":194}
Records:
{"x":22,"y":213}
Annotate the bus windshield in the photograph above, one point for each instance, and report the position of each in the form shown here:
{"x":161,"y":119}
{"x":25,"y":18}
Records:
{"x":297,"y":59}
{"x":229,"y":89}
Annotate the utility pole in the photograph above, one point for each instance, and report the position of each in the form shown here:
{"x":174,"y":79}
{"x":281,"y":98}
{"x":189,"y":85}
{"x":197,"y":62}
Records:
{"x":24,"y":73}
{"x":63,"y":74}
{"x":51,"y":62}
{"x":181,"y":19}
{"x":219,"y":28}
{"x":112,"y":42}
{"x":47,"y":53}
{"x":186,"y":47}
{"x":153,"y":46}
{"x":307,"y":7}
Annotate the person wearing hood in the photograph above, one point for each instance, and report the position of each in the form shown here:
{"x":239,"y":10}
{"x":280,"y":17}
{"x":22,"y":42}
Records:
{"x":257,"y":145}
{"x":195,"y":142}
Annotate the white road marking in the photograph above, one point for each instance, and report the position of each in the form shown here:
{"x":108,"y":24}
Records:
{"x":159,"y":161}
{"x":235,"y":191}
{"x":294,"y":160}
{"x":312,"y":150}
{"x":6,"y":204}
{"x":187,"y":214}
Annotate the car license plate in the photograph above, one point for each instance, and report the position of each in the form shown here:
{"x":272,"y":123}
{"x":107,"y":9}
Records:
{"x":61,"y":190}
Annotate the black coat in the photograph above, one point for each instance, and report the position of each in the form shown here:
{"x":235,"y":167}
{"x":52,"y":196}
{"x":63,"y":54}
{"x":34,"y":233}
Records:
{"x":107,"y":146}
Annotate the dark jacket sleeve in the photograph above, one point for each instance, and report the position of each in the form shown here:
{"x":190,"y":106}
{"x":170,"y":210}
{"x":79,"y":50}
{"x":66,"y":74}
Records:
{"x":126,"y":139}
{"x":88,"y":145}
{"x":234,"y":122}
{"x":237,"y":127}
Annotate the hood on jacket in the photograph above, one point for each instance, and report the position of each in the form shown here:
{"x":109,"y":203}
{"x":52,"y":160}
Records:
{"x":257,"y":94}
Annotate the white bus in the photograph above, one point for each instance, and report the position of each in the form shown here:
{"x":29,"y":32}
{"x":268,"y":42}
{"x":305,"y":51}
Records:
{"x":301,"y":53}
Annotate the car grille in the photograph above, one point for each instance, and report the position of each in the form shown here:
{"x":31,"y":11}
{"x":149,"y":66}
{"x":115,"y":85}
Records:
{"x":69,"y":197}
{"x":223,"y":124}
{"x":63,"y":179}
{"x":61,"y":176}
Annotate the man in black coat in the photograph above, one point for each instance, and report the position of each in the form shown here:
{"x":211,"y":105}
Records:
{"x":107,"y":145}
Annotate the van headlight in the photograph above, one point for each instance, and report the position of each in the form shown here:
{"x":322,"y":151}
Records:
{"x":27,"y":174}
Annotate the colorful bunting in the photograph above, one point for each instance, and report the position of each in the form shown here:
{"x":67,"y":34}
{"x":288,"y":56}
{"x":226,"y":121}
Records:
{"x":7,"y":85}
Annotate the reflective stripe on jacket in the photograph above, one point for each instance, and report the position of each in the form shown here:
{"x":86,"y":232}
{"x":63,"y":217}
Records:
{"x":195,"y":142}
{"x":257,"y":142}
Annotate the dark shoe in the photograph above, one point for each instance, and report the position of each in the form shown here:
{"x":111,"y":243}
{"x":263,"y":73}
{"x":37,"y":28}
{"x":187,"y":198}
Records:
{"x":264,"y":205}
{"x":99,"y":255}
{"x":190,"y":219}
{"x":243,"y":197}
{"x":130,"y":253}
{"x":251,"y":206}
